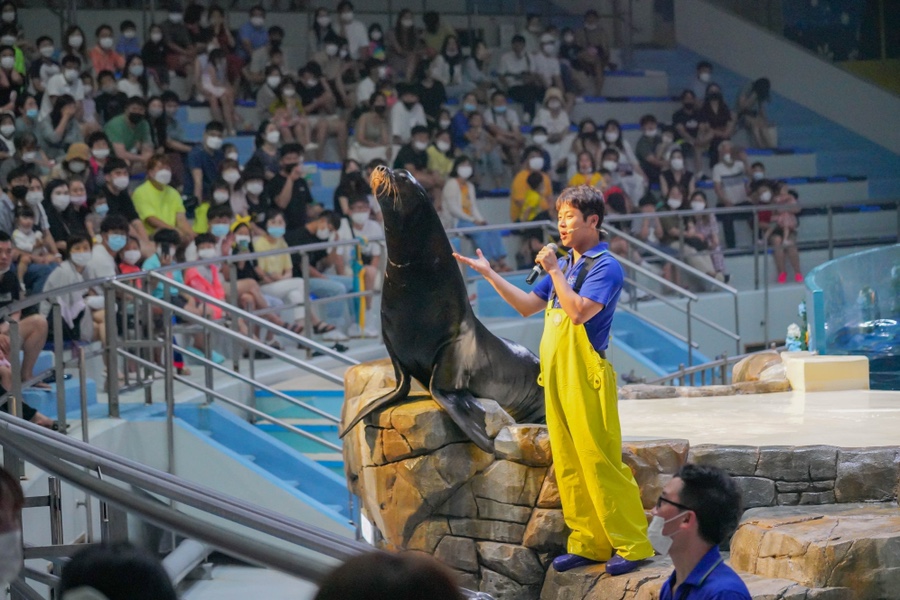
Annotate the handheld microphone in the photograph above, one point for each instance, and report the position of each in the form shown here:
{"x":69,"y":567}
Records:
{"x":538,"y":270}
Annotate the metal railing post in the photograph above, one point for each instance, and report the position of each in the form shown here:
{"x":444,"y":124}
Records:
{"x":56,"y":517}
{"x":755,"y":250}
{"x":11,"y":460}
{"x":169,"y":361}
{"x":307,"y":297}
{"x":690,"y":338}
{"x":766,"y":289}
{"x":15,"y":361}
{"x":59,"y":368}
{"x":112,"y":349}
{"x":235,"y":326}
{"x":830,"y":212}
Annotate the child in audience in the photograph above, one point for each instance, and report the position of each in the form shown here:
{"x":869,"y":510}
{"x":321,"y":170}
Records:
{"x":205,"y":278}
{"x":98,"y":212}
{"x":28,"y":241}
{"x":533,"y":197}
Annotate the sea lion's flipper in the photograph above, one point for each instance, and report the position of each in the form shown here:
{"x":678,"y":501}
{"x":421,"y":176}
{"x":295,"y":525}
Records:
{"x":459,"y":403}
{"x":399,"y":393}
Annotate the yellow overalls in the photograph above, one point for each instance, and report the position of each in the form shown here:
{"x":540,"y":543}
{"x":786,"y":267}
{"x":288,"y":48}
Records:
{"x":600,"y":498}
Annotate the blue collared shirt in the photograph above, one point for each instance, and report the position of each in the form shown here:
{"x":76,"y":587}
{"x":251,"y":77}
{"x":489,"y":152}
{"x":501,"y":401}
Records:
{"x":711,"y":579}
{"x":602,"y":285}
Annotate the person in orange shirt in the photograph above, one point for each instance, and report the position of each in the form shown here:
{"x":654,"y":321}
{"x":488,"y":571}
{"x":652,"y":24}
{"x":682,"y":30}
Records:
{"x":103,"y":55}
{"x":533,"y":163}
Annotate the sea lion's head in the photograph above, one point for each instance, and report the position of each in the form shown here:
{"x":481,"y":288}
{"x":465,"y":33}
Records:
{"x":398,"y":193}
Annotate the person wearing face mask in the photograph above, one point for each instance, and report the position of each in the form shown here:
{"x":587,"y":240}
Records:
{"x":782,"y":232}
{"x":61,"y":129}
{"x":128,"y":42}
{"x":75,"y":307}
{"x":414,"y":158}
{"x":406,"y":114}
{"x":322,"y":26}
{"x":717,"y":122}
{"x":702,"y":79}
{"x":459,"y":124}
{"x":680,"y":235}
{"x":288,"y":115}
{"x":697,"y":510}
{"x":130,"y":135}
{"x":113,"y":238}
{"x":403,"y":43}
{"x":729,"y":181}
{"x":533,"y":162}
{"x":652,"y":147}
{"x":130,"y":258}
{"x":216,"y":89}
{"x":118,"y":200}
{"x":447,"y":67}
{"x":288,"y":191}
{"x":204,"y":162}
{"x":73,"y":42}
{"x":180,"y":48}
{"x":351,"y":29}
{"x":319,"y":104}
{"x":63,"y":218}
{"x":441,"y":154}
{"x":268,"y":90}
{"x":706,"y":226}
{"x":207,"y":278}
{"x":44,"y":66}
{"x":461,"y":207}
{"x":522,"y":85}
{"x":504,"y":124}
{"x":12,"y":500}
{"x":153,"y":53}
{"x":372,"y":133}
{"x":362,"y":262}
{"x":74,"y":165}
{"x":104,"y":56}
{"x":134,"y":78}
{"x":555,"y":120}
{"x":595,"y":54}
{"x":629,"y":174}
{"x":7,"y":131}
{"x":253,"y":34}
{"x":545,"y":62}
{"x":336,"y":68}
{"x":109,"y":102}
{"x":676,"y":174}
{"x":158,"y":204}
{"x":66,"y":82}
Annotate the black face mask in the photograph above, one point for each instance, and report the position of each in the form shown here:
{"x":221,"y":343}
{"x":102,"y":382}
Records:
{"x":380,"y":109}
{"x":19,"y":191}
{"x":288,"y":167}
{"x":714,"y":97}
{"x":688,"y":106}
{"x":590,"y":138}
{"x":409,"y":105}
{"x":135,"y":118}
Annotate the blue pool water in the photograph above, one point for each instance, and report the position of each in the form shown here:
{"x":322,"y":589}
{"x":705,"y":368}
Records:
{"x":879,"y":340}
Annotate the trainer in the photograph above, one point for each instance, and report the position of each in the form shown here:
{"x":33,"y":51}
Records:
{"x":600,"y":498}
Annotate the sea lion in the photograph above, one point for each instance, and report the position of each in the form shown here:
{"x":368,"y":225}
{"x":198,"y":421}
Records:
{"x":428,"y":325}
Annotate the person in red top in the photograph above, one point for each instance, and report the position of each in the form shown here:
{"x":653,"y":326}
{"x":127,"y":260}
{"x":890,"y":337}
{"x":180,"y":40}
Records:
{"x":103,"y":55}
{"x":206,"y":278}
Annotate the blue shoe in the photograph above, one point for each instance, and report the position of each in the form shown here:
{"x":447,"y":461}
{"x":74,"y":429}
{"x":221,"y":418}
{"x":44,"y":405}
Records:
{"x":619,"y":566}
{"x":217,"y":358}
{"x":571,"y":561}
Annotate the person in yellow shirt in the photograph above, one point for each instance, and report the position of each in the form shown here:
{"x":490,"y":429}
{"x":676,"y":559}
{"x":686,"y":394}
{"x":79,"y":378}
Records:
{"x":441,"y":154}
{"x":158,"y":204}
{"x":587,"y":172}
{"x":533,"y":163}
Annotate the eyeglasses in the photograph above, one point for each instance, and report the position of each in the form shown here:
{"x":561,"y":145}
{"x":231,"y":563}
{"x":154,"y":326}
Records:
{"x":661,"y":499}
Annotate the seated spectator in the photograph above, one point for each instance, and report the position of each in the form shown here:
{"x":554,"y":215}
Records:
{"x":485,"y":153}
{"x":153,"y":54}
{"x":77,"y":312}
{"x":113,"y":239}
{"x":383,"y":575}
{"x":119,"y":572}
{"x":477,"y":71}
{"x":365,"y":263}
{"x":402,"y":44}
{"x":60,"y":128}
{"x":217,"y":91}
{"x":680,"y":235}
{"x":27,"y":113}
{"x":74,"y":164}
{"x":729,"y":181}
{"x":651,"y":149}
{"x":128,"y":42}
{"x":109,"y":101}
{"x":432,"y":95}
{"x":104,"y":56}
{"x":118,"y":200}
{"x":250,"y":199}
{"x":267,"y":93}
{"x":29,"y":246}
{"x":322,"y":27}
{"x":266,"y":157}
{"x":546,"y":64}
{"x":205,"y":278}
{"x":375,"y":48}
{"x":289,"y":192}
{"x":555,"y":120}
{"x":676,"y":174}
{"x":180,"y":51}
{"x":204,"y":161}
{"x":353,"y":186}
{"x":134,"y":78}
{"x":12,"y":81}
{"x":522,"y":206}
{"x":435,"y":34}
{"x":504,"y":124}
{"x":253,"y":34}
{"x":751,"y":111}
{"x":534,"y":27}
{"x":268,"y":55}
{"x":320,"y":108}
{"x":130,"y":258}
{"x":702,"y":79}
{"x":716,"y":122}
{"x":447,"y":68}
{"x":130,"y":135}
{"x":7,"y":131}
{"x":686,"y":121}
{"x":517,"y":77}
{"x":632,"y":178}
{"x":288,"y":114}
{"x":587,"y":173}
{"x":88,"y":119}
{"x":441,"y":154}
{"x":61,"y":84}
{"x":43,"y":67}
{"x":459,"y":124}
{"x":222,"y":35}
{"x":406,"y":114}
{"x":414,"y":158}
{"x":158,"y":204}
{"x":460,"y":203}
{"x":64,"y":219}
{"x":351,"y":29}
{"x":374,"y":72}
{"x":587,"y":140}
{"x":28,"y":155}
{"x":782,"y":233}
{"x":595,"y":55}
{"x":372,"y":133}
{"x":707,"y":228}
{"x":73,"y":44}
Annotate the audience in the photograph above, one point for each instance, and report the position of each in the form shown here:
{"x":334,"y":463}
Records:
{"x":386,"y":575}
{"x":117,"y":571}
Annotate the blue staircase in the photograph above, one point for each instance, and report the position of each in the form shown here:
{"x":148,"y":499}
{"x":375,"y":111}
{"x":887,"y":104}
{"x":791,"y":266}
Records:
{"x":44,"y":400}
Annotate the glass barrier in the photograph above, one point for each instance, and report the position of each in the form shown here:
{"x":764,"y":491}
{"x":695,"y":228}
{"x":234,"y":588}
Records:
{"x":854,"y":308}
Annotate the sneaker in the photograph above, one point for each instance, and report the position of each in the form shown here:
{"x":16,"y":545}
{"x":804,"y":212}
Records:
{"x":782,"y":278}
{"x":335,"y":335}
{"x":619,"y":566}
{"x":370,"y":332}
{"x":354,"y":331}
{"x":798,"y":277}
{"x":571,"y":561}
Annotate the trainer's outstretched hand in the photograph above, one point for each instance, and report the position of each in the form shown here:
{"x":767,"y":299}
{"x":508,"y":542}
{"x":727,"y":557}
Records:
{"x":479,"y":265}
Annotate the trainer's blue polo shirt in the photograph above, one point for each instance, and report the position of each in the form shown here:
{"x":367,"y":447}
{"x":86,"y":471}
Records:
{"x":603,"y":285}
{"x":711,"y":579}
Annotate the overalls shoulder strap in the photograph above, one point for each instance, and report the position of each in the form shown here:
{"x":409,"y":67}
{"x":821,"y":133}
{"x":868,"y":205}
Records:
{"x":586,"y":267}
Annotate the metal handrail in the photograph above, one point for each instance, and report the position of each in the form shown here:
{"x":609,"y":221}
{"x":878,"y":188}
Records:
{"x":722,"y":362}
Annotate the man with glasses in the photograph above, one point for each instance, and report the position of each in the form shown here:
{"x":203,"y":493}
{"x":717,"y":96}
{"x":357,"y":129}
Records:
{"x":697,"y":510}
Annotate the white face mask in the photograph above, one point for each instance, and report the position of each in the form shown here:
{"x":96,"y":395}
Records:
{"x":323,"y":234}
{"x":407,"y":22}
{"x":106,"y":43}
{"x":765,"y":197}
{"x":331,"y":49}
{"x":323,"y":21}
{"x":704,"y":77}
{"x":206,"y":253}
{"x":554,"y":105}
{"x":420,"y":145}
{"x":75,"y":41}
{"x":136,"y":70}
{"x":698,"y":205}
{"x":76,"y":166}
{"x":536,"y":163}
{"x":442,"y":145}
{"x":175,"y":17}
{"x":232,"y":156}
{"x":347,"y":16}
{"x":242,"y":240}
{"x":444,"y":123}
{"x":257,"y":21}
{"x":8,"y":62}
{"x":61,"y":201}
{"x":726,"y":158}
{"x":47,"y":51}
{"x":131,"y":256}
{"x":289,"y":92}
{"x":9,"y":16}
{"x":34,"y":197}
{"x":156,"y":37}
{"x":464,"y":171}
{"x":129,"y":34}
{"x":540,"y":139}
{"x":7,"y":130}
{"x":11,"y":556}
{"x":29,"y":157}
{"x":71,"y":75}
{"x":255,"y":187}
{"x":101,"y":154}
{"x":80,"y":259}
{"x":375,"y":35}
{"x":273,"y":81}
{"x":611,"y":136}
{"x":674,"y":203}
{"x":660,"y":542}
{"x":214,"y":142}
{"x":651,"y":132}
{"x":163,"y":177}
{"x":273,"y":137}
{"x":121,"y":182}
{"x":359,"y":218}
{"x":677,"y":164}
{"x":231,"y":176}
{"x":757,"y":175}
{"x":611,"y":166}
{"x":220,"y":196}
